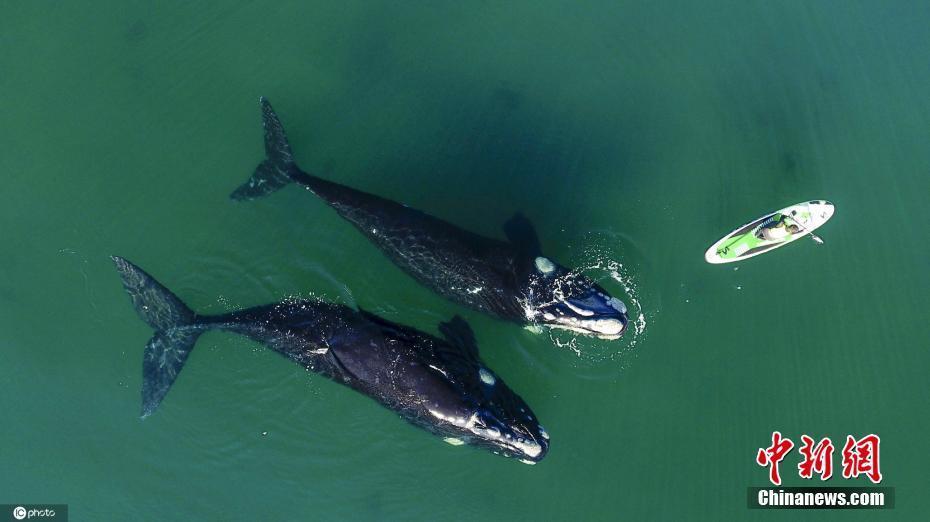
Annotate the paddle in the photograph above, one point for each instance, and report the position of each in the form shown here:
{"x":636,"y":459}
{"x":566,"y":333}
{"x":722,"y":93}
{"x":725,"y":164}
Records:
{"x":817,"y":239}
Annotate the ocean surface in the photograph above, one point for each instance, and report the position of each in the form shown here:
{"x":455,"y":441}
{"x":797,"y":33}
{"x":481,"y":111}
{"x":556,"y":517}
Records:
{"x":632,"y":134}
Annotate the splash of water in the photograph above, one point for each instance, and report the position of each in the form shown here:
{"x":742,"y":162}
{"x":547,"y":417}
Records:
{"x":599,"y":263}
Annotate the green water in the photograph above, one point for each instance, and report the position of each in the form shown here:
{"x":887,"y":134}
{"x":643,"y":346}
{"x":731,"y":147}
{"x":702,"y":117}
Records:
{"x":638,"y":130}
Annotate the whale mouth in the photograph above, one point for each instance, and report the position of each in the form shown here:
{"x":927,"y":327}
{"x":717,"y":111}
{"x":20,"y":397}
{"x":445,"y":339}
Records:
{"x":607,"y":329}
{"x":527,"y":442}
{"x":528,"y":448}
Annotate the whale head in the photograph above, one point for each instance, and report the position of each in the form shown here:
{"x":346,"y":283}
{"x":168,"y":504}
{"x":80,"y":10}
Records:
{"x":560,"y":298}
{"x":495,"y":418}
{"x":504,"y":423}
{"x":470,"y":404}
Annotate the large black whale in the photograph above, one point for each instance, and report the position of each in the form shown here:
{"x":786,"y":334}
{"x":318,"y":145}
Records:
{"x":511,"y":279}
{"x":440,"y":385}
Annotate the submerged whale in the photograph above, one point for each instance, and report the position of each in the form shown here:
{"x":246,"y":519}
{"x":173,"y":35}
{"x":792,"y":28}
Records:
{"x":511,"y":280}
{"x":440,"y":385}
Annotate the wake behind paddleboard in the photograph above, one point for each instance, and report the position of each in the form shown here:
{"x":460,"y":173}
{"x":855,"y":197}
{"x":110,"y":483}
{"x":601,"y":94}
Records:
{"x":770,"y":231}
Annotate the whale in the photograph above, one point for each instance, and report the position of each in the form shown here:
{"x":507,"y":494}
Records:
{"x":439,"y":384}
{"x":509,"y":279}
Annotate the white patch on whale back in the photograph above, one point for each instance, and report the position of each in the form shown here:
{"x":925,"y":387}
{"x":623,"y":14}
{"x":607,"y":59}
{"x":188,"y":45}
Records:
{"x":454,"y":441}
{"x":530,"y":462}
{"x":487,"y":377}
{"x":543,"y":433}
{"x":544,"y":265}
{"x":534,"y":328}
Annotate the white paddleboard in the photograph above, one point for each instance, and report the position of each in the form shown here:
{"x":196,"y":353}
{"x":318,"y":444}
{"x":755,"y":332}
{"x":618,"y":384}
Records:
{"x":751,"y":240}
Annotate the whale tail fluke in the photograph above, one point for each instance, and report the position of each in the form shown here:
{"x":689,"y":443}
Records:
{"x":278,"y":167}
{"x":176,"y":330}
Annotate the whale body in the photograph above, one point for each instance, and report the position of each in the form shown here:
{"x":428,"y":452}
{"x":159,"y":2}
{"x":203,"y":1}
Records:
{"x":438,"y":384}
{"x":511,"y":279}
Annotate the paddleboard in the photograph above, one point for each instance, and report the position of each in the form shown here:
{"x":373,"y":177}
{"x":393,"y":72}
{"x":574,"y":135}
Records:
{"x":770,"y":231}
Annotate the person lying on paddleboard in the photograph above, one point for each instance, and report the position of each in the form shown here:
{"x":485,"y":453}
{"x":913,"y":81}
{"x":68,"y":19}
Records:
{"x":777,"y":228}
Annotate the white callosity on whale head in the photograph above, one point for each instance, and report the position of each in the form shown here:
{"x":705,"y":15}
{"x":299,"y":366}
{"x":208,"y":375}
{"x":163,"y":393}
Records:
{"x":490,"y":432}
{"x":461,"y":422}
{"x":614,"y":303}
{"x":606,"y":328}
{"x":543,"y":433}
{"x":577,"y":310}
{"x":528,"y":447}
{"x":617,"y":305}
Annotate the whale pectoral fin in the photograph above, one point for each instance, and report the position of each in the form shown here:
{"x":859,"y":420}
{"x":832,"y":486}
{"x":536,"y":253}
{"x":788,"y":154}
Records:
{"x":521,"y":234}
{"x":459,"y":334}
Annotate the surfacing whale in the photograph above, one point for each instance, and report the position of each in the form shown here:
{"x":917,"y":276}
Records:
{"x":511,"y":280}
{"x":440,"y":385}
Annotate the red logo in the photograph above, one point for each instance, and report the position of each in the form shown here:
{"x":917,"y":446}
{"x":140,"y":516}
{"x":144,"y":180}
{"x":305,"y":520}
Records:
{"x":860,"y":457}
{"x":774,"y":454}
{"x":817,"y":459}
